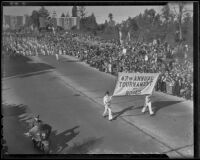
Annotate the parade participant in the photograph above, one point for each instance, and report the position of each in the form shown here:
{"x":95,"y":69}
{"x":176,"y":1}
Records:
{"x":107,"y":104}
{"x":147,"y":104}
{"x":36,"y":126}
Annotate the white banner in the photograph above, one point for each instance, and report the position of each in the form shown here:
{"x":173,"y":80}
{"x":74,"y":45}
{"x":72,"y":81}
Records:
{"x":135,"y":83}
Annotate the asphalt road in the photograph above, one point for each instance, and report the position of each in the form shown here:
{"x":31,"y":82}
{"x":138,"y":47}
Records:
{"x":68,"y":95}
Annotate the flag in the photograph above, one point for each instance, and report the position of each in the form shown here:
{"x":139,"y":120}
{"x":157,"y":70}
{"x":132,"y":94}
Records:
{"x":120,"y":36}
{"x":53,"y":30}
{"x":129,"y":36}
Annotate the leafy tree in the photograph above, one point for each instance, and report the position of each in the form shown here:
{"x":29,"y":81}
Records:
{"x":92,"y":22}
{"x":106,"y":23}
{"x":149,"y":16}
{"x":82,"y":11}
{"x":152,"y":14}
{"x":187,"y":19}
{"x":110,"y":16}
{"x":133,"y":25}
{"x":167,"y":14}
{"x":63,"y":15}
{"x":89,"y":23}
{"x":182,"y":11}
{"x":74,"y":11}
{"x":35,"y":19}
{"x":187,"y":28}
{"x":67,"y":15}
{"x":43,"y":12}
{"x":28,"y":21}
{"x":101,"y":27}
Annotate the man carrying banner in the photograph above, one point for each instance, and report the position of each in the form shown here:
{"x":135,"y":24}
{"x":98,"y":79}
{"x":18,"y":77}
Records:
{"x":107,"y":103}
{"x":147,"y":104}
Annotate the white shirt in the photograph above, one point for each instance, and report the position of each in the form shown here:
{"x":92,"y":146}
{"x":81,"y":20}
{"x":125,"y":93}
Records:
{"x":146,"y":58}
{"x":107,"y":100}
{"x":147,"y":99}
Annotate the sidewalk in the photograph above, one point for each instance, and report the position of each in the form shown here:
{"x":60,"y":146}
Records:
{"x":172,"y":124}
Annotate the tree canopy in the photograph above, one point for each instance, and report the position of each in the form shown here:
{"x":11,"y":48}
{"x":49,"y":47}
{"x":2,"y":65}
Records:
{"x":43,"y":12}
{"x":74,"y":11}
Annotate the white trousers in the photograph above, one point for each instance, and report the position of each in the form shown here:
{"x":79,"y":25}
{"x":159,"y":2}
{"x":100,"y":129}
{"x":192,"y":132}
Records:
{"x":107,"y":108}
{"x":149,"y":107}
{"x":57,"y":57}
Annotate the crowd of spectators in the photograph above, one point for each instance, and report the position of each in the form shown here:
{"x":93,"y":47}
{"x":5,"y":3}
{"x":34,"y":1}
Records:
{"x":109,"y":56}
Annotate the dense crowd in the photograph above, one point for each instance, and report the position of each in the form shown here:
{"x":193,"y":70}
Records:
{"x":108,"y":56}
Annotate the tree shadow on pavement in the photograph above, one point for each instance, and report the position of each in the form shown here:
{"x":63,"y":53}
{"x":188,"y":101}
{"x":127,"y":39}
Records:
{"x":13,"y":129}
{"x":161,"y":104}
{"x":85,"y":146}
{"x":22,"y":65}
{"x":64,"y":60}
{"x":137,"y":114}
{"x":13,"y":109}
{"x":35,"y":74}
{"x":59,"y":141}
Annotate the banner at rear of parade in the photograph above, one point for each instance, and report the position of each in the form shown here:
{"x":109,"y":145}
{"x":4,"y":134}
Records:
{"x":135,"y":84}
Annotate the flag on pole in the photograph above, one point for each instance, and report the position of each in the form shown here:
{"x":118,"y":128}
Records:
{"x":129,"y":36}
{"x":124,"y":51}
{"x":53,"y":30}
{"x":120,"y":36}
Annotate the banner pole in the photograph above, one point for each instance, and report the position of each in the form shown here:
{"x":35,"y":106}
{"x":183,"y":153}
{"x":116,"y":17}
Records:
{"x":116,"y":81}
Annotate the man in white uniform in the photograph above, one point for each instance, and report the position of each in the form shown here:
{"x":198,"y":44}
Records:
{"x":107,"y":103}
{"x":147,"y":104}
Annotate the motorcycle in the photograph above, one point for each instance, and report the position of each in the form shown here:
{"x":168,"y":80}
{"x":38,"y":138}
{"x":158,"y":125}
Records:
{"x":40,"y":135}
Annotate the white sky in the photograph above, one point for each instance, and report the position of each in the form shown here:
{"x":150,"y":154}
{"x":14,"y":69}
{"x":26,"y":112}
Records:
{"x":101,"y":12}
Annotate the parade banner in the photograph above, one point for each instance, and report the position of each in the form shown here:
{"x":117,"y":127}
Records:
{"x":135,"y":84}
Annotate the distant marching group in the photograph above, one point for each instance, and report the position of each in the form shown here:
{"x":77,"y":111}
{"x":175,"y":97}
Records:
{"x":26,"y":46}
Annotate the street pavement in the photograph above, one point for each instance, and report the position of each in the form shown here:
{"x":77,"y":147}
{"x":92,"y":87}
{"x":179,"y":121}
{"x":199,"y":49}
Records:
{"x":67,"y":94}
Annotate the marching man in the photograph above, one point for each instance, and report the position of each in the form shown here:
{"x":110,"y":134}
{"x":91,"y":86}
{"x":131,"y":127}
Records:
{"x":147,"y":104}
{"x":107,"y":103}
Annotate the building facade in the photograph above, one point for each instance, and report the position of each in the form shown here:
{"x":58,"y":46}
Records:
{"x":13,"y":22}
{"x":16,"y":22}
{"x":68,"y":22}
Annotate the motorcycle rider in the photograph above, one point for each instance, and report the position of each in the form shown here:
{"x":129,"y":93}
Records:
{"x":36,"y":127}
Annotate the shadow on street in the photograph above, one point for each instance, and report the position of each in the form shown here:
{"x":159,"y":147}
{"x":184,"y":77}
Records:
{"x":13,"y":109}
{"x":22,"y":65}
{"x":161,"y":104}
{"x":59,"y":141}
{"x":155,"y":106}
{"x":117,"y":114}
{"x":85,"y":146}
{"x":14,"y":129}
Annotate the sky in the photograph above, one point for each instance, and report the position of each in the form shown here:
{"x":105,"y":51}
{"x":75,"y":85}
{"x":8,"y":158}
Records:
{"x":120,"y":13}
{"x":101,"y":12}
